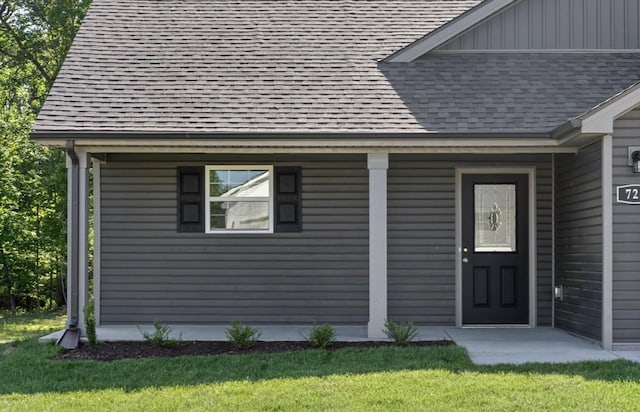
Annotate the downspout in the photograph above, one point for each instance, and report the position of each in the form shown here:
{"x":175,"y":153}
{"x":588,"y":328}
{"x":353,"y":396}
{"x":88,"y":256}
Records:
{"x":74,"y":272}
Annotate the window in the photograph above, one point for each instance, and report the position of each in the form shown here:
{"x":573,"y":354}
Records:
{"x":238,"y":199}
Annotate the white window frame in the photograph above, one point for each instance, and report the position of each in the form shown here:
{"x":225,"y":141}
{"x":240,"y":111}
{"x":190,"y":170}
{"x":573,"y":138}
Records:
{"x":209,"y":198}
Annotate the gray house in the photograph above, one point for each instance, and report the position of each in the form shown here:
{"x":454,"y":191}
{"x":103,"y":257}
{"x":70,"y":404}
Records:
{"x":445,"y":162}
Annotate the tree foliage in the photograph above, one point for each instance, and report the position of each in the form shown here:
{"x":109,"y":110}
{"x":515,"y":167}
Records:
{"x":35,"y":36}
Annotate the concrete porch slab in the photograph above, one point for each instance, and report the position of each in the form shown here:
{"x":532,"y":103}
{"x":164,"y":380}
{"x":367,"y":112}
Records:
{"x":352,"y":333}
{"x":491,"y":346}
{"x":631,"y":355}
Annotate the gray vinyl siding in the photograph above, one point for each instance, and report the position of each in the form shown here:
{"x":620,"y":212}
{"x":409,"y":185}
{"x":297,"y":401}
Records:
{"x":578,"y":205}
{"x":150,"y":272}
{"x":421,"y":230}
{"x":557,"y":24}
{"x":626,"y":236}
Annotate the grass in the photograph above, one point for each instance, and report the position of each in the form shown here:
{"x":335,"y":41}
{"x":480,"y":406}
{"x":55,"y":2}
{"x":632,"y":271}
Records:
{"x":24,"y":326}
{"x":438,"y":379}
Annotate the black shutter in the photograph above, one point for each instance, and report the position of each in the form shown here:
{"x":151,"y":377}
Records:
{"x":288,"y":199}
{"x":191,"y":199}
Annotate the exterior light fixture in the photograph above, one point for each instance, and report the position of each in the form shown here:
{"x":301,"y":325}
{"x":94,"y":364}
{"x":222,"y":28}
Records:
{"x":635,"y":159}
{"x":558,"y":292}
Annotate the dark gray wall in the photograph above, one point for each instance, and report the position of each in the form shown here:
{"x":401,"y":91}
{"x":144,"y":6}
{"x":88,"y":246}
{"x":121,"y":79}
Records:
{"x":578,"y":204}
{"x":150,"y":272}
{"x":422,"y":234}
{"x":558,"y":24}
{"x":626,"y":236}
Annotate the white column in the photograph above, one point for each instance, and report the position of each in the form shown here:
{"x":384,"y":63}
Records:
{"x":377,"y":165}
{"x":607,"y":242}
{"x":83,"y":236}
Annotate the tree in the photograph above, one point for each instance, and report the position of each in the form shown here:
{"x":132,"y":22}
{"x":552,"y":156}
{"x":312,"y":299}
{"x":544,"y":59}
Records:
{"x":35,"y":36}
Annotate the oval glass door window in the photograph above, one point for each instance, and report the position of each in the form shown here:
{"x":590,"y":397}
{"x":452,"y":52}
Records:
{"x":495,"y":217}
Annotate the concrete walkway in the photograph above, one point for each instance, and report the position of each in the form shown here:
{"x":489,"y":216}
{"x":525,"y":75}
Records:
{"x":486,"y":346}
{"x":490,"y":346}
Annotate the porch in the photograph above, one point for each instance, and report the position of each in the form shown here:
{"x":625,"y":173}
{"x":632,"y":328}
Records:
{"x":381,"y":238}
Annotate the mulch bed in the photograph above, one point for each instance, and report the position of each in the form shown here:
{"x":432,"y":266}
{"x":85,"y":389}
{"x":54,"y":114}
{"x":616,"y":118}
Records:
{"x":109,"y":351}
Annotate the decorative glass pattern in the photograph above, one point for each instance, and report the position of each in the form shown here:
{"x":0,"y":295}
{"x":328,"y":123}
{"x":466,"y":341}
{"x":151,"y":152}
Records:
{"x":495,"y":217}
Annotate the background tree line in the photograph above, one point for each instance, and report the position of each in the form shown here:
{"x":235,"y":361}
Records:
{"x":35,"y":36}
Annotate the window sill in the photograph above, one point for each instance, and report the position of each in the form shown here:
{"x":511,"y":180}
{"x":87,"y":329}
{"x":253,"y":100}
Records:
{"x":239,"y":232}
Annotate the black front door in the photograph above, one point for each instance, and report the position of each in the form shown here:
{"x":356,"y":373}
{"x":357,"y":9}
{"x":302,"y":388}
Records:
{"x":495,"y":261}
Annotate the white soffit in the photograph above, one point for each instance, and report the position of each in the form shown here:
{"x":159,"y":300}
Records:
{"x":449,"y":31}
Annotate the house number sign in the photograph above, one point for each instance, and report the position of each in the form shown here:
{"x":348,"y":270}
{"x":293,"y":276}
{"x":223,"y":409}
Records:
{"x":629,"y":194}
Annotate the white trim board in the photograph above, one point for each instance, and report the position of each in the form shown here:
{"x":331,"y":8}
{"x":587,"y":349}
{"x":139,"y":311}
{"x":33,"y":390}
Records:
{"x":537,"y":51}
{"x":533,"y":248}
{"x":607,"y":242}
{"x":450,"y":30}
{"x":600,"y":119}
{"x":433,"y":144}
{"x":377,"y":165}
{"x":208,"y":198}
{"x":83,"y":238}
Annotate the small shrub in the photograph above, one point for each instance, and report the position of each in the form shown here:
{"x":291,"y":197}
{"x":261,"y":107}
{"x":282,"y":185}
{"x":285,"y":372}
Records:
{"x":160,"y":336}
{"x":401,"y":332}
{"x":242,"y":336}
{"x":321,"y":336}
{"x":90,"y":322}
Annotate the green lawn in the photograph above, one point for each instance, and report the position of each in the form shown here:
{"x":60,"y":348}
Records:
{"x":15,"y":328}
{"x":355,"y":379}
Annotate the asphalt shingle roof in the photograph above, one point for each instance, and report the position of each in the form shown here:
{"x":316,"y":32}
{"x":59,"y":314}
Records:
{"x":198,"y":66}
{"x":498,"y":92}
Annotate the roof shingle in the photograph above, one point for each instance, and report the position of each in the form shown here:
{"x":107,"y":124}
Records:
{"x":198,"y":66}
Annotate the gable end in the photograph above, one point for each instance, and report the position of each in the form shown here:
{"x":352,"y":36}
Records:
{"x":449,"y":31}
{"x":581,"y":25}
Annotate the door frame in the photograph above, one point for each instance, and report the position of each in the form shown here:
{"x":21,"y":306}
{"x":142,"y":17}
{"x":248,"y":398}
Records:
{"x":512,"y":170}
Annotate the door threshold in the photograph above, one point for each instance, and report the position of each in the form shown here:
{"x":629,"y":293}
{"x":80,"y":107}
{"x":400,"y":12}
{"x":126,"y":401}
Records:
{"x":498,"y":326}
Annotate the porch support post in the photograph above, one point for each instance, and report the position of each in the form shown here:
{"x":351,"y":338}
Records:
{"x":377,"y":164}
{"x":83,"y":236}
{"x":607,"y":242}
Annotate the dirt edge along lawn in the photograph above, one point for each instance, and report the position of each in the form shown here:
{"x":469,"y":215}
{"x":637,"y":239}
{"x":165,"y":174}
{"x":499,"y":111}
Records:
{"x":109,"y":351}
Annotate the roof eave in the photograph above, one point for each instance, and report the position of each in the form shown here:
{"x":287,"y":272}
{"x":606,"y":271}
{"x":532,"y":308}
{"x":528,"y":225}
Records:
{"x":566,"y":129}
{"x":44,"y":135}
{"x":598,"y":120}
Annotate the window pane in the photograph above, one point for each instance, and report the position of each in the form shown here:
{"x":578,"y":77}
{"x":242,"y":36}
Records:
{"x":239,"y":215}
{"x":495,"y":218}
{"x":217,"y":216}
{"x":239,"y":183}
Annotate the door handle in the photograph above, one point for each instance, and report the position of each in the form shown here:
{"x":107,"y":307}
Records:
{"x":465,"y":260}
